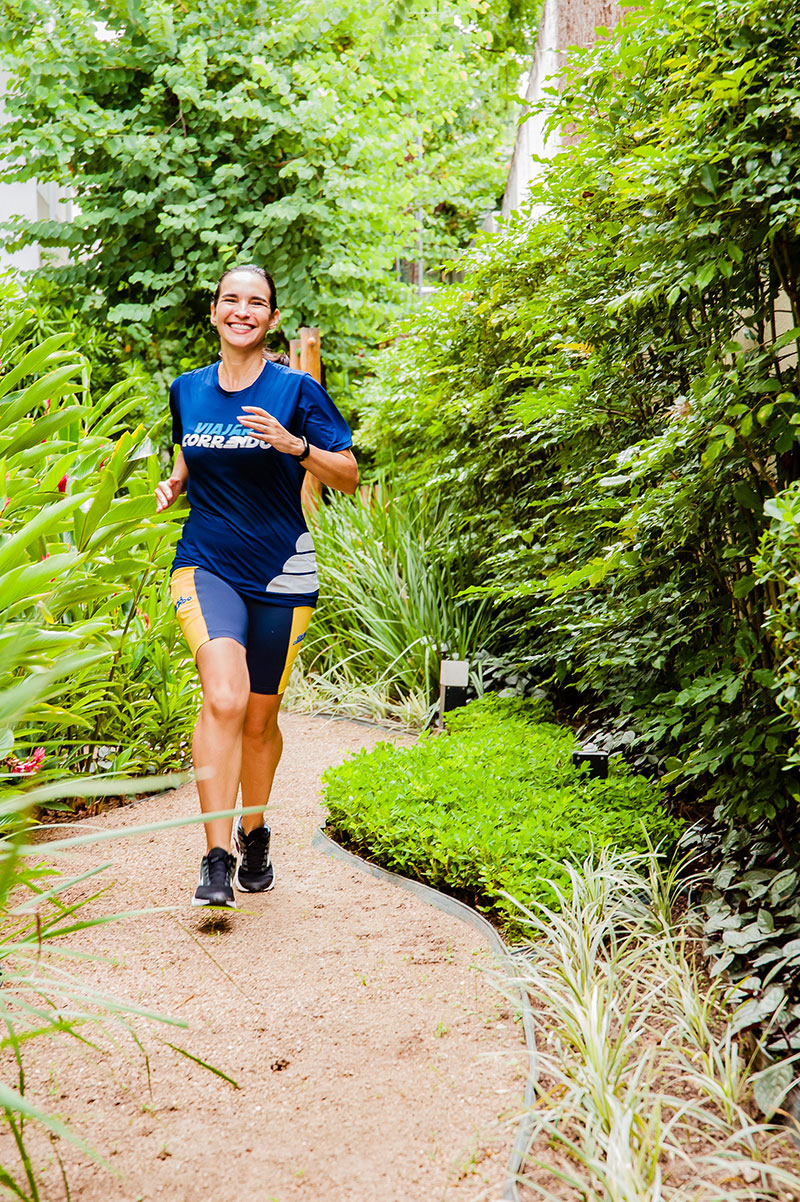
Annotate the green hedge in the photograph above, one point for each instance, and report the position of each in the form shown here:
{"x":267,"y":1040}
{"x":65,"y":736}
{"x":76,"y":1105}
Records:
{"x":492,"y":807}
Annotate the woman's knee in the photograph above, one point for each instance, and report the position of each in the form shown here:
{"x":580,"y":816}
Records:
{"x":225,"y":680}
{"x":225,"y":702}
{"x":261,"y":724}
{"x":262,"y":732}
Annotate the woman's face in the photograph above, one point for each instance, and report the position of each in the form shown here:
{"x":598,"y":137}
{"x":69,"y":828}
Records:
{"x":243,"y":314}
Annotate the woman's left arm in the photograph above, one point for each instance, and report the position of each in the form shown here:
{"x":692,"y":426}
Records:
{"x":337,"y":469}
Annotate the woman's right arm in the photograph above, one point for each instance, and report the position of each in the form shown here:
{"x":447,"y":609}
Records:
{"x":168,"y":491}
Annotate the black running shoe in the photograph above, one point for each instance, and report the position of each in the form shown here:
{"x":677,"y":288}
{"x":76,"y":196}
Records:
{"x":254,"y":871}
{"x":216,"y":873}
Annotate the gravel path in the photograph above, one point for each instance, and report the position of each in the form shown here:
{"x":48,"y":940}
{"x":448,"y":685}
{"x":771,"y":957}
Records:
{"x":374,"y":1057}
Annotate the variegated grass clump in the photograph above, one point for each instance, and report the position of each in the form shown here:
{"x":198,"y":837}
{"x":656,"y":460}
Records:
{"x":393,"y":570}
{"x":343,"y":694}
{"x":645,"y":1088}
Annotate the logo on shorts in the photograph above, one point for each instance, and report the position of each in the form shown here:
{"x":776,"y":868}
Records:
{"x":299,"y":639}
{"x":181,"y":601}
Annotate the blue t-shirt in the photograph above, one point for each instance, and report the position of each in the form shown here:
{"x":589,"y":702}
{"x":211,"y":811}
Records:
{"x":245,"y":521}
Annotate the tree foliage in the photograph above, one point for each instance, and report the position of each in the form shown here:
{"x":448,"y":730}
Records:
{"x":197,"y":135}
{"x":611,"y":393}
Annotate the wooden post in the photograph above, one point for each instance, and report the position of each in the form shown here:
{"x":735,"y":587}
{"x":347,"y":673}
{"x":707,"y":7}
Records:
{"x":309,"y":353}
{"x":294,"y":354}
{"x":310,"y":361}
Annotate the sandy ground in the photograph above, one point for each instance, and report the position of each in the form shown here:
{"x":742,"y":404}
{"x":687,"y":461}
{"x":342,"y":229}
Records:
{"x":374,"y":1056}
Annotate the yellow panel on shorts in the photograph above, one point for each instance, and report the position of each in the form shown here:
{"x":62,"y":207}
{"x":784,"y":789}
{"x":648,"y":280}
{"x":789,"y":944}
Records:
{"x":187,"y":609}
{"x":301,"y":616}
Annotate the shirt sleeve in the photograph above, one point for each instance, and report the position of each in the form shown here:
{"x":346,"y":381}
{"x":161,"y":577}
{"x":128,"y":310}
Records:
{"x":175,"y":410}
{"x":320,"y":420}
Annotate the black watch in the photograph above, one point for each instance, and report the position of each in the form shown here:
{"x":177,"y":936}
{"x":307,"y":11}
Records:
{"x":305,"y":451}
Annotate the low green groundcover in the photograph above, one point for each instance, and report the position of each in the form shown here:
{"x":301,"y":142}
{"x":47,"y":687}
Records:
{"x":492,"y":807}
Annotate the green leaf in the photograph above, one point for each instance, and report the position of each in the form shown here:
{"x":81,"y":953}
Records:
{"x":204,"y":1064}
{"x":19,"y":545}
{"x":42,"y":429}
{"x":32,"y":364}
{"x":772,"y":1084}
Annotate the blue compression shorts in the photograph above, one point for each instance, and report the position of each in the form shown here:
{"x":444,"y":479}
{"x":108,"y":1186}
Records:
{"x":208,"y":608}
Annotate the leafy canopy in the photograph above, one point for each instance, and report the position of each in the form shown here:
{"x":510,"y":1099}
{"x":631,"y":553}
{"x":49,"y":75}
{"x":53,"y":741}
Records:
{"x":300,"y":136}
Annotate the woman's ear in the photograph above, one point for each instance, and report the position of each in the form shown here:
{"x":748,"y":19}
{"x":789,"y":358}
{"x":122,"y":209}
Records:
{"x":213,"y":318}
{"x":273,"y":321}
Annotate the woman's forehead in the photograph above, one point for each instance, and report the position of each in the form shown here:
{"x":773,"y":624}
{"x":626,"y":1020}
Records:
{"x":240,"y":282}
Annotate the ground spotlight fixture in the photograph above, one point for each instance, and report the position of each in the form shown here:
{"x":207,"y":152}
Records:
{"x":597,"y":761}
{"x":453,"y":679}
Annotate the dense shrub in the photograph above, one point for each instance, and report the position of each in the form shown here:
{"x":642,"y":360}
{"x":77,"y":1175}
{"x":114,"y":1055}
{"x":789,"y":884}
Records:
{"x":493,"y":807}
{"x":610,"y":395}
{"x":107,"y":351}
{"x":84,"y":561}
{"x":752,"y":928}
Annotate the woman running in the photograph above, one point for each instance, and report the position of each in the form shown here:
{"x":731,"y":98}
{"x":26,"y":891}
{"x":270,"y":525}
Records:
{"x":244,"y":578}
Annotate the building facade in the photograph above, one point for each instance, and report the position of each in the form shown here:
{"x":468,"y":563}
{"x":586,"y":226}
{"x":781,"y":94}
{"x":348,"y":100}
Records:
{"x":563,"y":23}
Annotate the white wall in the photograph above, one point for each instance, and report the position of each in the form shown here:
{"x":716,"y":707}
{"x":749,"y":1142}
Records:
{"x":19,"y":200}
{"x":563,"y":24}
{"x":531,"y":138}
{"x":35,"y":201}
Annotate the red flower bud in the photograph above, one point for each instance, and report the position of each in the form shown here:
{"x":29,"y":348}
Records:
{"x":62,"y":484}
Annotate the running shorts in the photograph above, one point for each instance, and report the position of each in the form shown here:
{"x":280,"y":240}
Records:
{"x":208,"y":608}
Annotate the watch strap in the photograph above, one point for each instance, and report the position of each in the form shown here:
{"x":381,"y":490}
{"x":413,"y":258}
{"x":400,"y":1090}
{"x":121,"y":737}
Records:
{"x":305,"y":451}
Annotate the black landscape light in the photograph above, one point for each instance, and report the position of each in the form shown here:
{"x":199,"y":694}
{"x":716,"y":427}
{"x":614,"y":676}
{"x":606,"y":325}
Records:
{"x":597,"y":761}
{"x":453,"y":679}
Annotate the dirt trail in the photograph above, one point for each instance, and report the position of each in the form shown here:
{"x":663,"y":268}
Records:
{"x":374,"y":1058}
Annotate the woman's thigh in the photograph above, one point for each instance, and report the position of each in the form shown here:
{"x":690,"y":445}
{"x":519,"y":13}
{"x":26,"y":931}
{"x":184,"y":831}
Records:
{"x":207,"y":608}
{"x":274,"y":637}
{"x":214,"y":621}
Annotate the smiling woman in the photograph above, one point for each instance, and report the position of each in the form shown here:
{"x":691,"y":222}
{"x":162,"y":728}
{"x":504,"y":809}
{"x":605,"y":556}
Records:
{"x":244,"y":578}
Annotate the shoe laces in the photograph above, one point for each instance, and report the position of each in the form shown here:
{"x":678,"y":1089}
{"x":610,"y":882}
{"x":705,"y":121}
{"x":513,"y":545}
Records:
{"x":218,"y":866}
{"x":255,"y":849}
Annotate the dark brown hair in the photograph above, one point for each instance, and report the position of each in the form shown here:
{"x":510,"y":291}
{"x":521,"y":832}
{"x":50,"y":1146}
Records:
{"x":273,"y":296}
